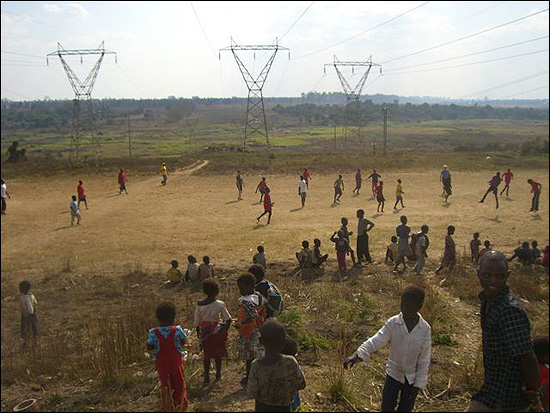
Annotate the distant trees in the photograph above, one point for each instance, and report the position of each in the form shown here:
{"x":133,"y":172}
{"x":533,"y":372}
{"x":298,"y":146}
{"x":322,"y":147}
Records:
{"x":15,"y":154}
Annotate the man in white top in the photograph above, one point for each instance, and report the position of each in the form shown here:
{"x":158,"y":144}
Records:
{"x":302,"y":190}
{"x":75,"y":212}
{"x":4,"y":191}
{"x":410,"y":352}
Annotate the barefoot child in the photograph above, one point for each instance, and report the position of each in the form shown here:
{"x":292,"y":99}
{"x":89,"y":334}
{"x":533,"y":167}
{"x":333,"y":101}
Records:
{"x":274,"y":378}
{"x":475,"y":243}
{"x":535,"y":190}
{"x":260,"y":257}
{"x":261,"y":187}
{"x":375,"y":176}
{"x":338,"y":189}
{"x":392,"y":251}
{"x":403,"y":231}
{"x":81,"y":194}
{"x":240,"y":185}
{"x":273,"y":299}
{"x":212,"y":321}
{"x":122,"y":182}
{"x":358,"y":182}
{"x":304,"y":256}
{"x":318,"y":258}
{"x":164,"y":173}
{"x":399,"y":194}
{"x":409,"y":336}
{"x":206,"y":270}
{"x":29,"y":322}
{"x":167,"y":341}
{"x":173,"y":275}
{"x":342,"y":249}
{"x":75,"y":212}
{"x":380,"y":196}
{"x":268,"y":206}
{"x":449,"y":254}
{"x":192,"y":273}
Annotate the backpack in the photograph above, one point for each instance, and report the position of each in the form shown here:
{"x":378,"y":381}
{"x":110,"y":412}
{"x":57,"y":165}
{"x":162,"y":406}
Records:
{"x":275,"y":302}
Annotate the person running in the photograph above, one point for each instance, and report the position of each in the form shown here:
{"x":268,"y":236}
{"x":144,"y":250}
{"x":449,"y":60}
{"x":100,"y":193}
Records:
{"x":338,"y":188}
{"x":261,"y":187}
{"x":399,"y":194}
{"x":4,"y":193}
{"x":122,"y":182}
{"x":164,"y":173}
{"x":445,"y":179}
{"x":358,"y":181}
{"x":307,"y":176}
{"x":268,"y":206}
{"x":375,"y":176}
{"x":508,"y":176}
{"x":449,"y":254}
{"x":240,"y":185}
{"x":302,"y":190}
{"x":81,"y":194}
{"x":493,"y":187}
{"x":535,"y":190}
{"x":380,"y":197}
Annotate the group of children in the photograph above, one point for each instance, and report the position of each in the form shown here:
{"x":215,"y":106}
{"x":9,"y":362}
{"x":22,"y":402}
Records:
{"x":193,"y":274}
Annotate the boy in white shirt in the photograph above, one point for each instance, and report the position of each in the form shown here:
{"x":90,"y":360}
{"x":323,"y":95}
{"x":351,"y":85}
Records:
{"x":260,"y":257}
{"x":410,"y":352}
{"x":75,"y":212}
{"x":29,"y":322}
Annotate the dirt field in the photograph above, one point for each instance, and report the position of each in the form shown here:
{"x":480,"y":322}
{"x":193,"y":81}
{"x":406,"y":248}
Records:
{"x":107,"y":272}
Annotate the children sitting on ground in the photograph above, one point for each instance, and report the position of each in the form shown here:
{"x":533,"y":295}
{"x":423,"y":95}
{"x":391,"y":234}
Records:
{"x":523,"y":254}
{"x":206,"y":270}
{"x":29,"y":321}
{"x":273,"y":299}
{"x":167,"y":342}
{"x":212,"y":321}
{"x":304,"y":256}
{"x":342,"y":249}
{"x":449,"y":254}
{"x":174,"y":275}
{"x":192,"y":273}
{"x":410,"y":341}
{"x":318,"y":258}
{"x":486,"y":247}
{"x":475,"y":243}
{"x":277,"y":368}
{"x":391,"y":251}
{"x":260,"y":257}
{"x":75,"y":212}
{"x":250,"y":317}
{"x":540,"y":346}
{"x":535,"y":252}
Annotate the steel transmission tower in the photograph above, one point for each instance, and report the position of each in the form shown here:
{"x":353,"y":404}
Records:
{"x":256,"y":123}
{"x":352,"y":125}
{"x":83,"y":116}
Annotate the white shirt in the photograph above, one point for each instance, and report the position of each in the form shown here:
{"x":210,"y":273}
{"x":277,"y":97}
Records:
{"x":410,"y":353}
{"x":27,"y":303}
{"x":260,"y":258}
{"x":74,"y":208}
{"x":3,"y":190}
{"x":214,"y":313}
{"x":193,"y":271}
{"x":303,"y":186}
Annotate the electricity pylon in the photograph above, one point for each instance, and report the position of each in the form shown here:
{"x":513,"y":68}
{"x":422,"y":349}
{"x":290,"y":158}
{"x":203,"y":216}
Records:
{"x":352,"y":125}
{"x":83,"y":111}
{"x":256,"y":123}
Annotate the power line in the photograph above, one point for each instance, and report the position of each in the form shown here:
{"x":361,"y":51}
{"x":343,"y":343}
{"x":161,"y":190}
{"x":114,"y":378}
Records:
{"x":202,"y":28}
{"x":363,"y":32}
{"x":466,"y":37}
{"x":480,"y":12}
{"x":15,"y":93}
{"x":41,"y":23}
{"x":296,"y":21}
{"x":524,"y":92}
{"x":131,"y":81}
{"x":468,"y":55}
{"x":503,"y":85}
{"x":22,"y":54}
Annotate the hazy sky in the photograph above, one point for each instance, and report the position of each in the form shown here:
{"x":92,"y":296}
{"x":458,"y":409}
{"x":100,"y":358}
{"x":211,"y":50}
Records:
{"x":162,"y":50}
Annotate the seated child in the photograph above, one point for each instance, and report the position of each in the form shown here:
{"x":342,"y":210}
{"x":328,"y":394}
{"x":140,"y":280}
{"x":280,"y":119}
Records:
{"x":274,"y":368}
{"x":209,"y":315}
{"x":260,"y":257}
{"x":391,"y":251}
{"x":304,"y":256}
{"x":206,"y":270}
{"x":317,"y":258}
{"x":410,"y":341}
{"x":540,"y":345}
{"x":523,"y":254}
{"x":192,"y":273}
{"x":174,"y":275}
{"x":535,"y":252}
{"x":486,"y":247}
{"x":167,"y":341}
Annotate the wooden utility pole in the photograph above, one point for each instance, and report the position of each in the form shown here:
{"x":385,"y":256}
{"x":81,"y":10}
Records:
{"x":385,"y":110}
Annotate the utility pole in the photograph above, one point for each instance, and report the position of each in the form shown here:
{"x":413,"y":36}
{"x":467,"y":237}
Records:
{"x":385,"y":110}
{"x":129,"y":139}
{"x":83,"y":92}
{"x":256,"y":123}
{"x":352,"y":114}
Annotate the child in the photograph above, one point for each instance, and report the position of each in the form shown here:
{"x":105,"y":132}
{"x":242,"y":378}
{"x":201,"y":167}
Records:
{"x":403,"y":248}
{"x":29,"y":322}
{"x":449,"y":254}
{"x":493,"y":187}
{"x":164,"y":173}
{"x":212,"y":334}
{"x":167,"y":341}
{"x":304,"y":257}
{"x":358,"y":182}
{"x":338,"y":189}
{"x":302,"y":190}
{"x":75,"y":212}
{"x":535,"y":252}
{"x":344,"y":228}
{"x":374,"y":176}
{"x":240,"y":185}
{"x":174,"y":275}
{"x":545,"y":262}
{"x":391,"y":251}
{"x":447,"y":188}
{"x":122,"y":182}
{"x":81,"y":194}
{"x":268,"y":206}
{"x":318,"y":258}
{"x":260,"y":257}
{"x":410,"y":341}
{"x":508,"y":176}
{"x":261,"y":187}
{"x":535,"y":190}
{"x":192,"y":273}
{"x":274,"y":368}
{"x":307,"y":176}
{"x":540,"y":345}
{"x":250,"y":318}
{"x":4,"y":190}
{"x":421,"y":244}
{"x":380,"y":196}
{"x":273,"y":299}
{"x":342,"y":249}
{"x":523,"y":254}
{"x":399,"y":194}
{"x":206,"y":270}
{"x":486,"y":247}
{"x":475,"y":243}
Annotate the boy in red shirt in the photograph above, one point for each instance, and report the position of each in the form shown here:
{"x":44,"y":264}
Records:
{"x":508,"y":176}
{"x":261,"y":187}
{"x":122,"y":181}
{"x":268,"y":206}
{"x":535,"y":190}
{"x":81,"y":194}
{"x":380,"y":196}
{"x":307,"y":176}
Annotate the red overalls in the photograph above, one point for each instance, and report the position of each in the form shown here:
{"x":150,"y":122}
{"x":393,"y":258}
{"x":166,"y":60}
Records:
{"x":171,"y":373}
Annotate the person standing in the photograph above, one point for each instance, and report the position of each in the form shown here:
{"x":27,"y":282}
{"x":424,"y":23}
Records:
{"x":164,"y":173}
{"x":268,"y":206}
{"x":29,"y":321}
{"x":508,"y":176}
{"x":261,"y":187}
{"x":536,"y":189}
{"x":399,"y":194}
{"x":403,"y":232}
{"x":307,"y":176}
{"x":445,"y":179}
{"x":81,"y":194}
{"x":375,"y":176}
{"x":4,"y":193}
{"x":380,"y":197}
{"x":511,"y":373}
{"x":338,"y":188}
{"x":240,"y":184}
{"x":363,"y":228}
{"x":122,"y":182}
{"x":420,"y":248}
{"x":493,"y":187}
{"x":449,"y":254}
{"x":302,"y":190}
{"x":358,"y":181}
{"x":75,"y":212}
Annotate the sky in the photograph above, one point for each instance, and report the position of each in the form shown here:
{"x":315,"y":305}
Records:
{"x":451,"y":49}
